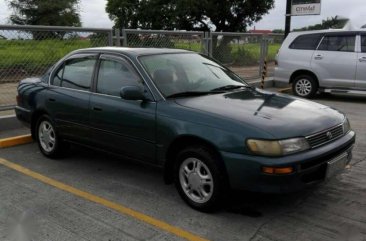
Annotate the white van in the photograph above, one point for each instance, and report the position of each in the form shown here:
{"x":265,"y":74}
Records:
{"x":332,"y":61}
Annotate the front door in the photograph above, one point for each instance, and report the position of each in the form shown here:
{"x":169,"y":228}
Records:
{"x":361,"y":65}
{"x":334,"y":62}
{"x":124,"y":126}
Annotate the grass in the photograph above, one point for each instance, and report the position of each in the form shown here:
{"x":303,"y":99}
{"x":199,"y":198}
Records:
{"x":34,"y":54}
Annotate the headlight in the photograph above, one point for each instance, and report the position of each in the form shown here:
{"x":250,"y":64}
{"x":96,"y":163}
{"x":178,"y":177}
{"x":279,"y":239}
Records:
{"x":277,"y":148}
{"x":346,"y":126}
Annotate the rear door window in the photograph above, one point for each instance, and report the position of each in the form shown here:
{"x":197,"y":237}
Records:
{"x":339,"y":43}
{"x":306,"y":42}
{"x":76,"y":73}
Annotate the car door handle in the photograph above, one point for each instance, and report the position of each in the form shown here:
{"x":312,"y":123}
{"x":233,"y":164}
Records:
{"x":319,"y":56}
{"x":52,"y":100}
{"x":362,"y":59}
{"x":97,"y":108}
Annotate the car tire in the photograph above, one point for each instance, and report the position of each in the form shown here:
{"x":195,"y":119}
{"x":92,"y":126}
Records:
{"x":305,"y":86}
{"x":199,"y":179}
{"x":48,"y":140}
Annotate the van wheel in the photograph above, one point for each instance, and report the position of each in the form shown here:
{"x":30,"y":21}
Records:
{"x":305,"y":86}
{"x":48,"y":140}
{"x":199,"y":180}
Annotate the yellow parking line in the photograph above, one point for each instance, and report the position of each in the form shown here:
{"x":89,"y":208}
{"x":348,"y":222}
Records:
{"x":109,"y":204}
{"x":14,"y":141}
{"x":284,"y":89}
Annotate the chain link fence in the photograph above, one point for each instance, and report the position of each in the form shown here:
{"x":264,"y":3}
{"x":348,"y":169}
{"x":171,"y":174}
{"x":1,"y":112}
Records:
{"x":191,"y":40}
{"x":28,"y":51}
{"x":241,"y":52}
{"x":244,"y":53}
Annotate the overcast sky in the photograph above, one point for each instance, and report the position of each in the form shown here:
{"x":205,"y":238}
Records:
{"x":93,"y":14}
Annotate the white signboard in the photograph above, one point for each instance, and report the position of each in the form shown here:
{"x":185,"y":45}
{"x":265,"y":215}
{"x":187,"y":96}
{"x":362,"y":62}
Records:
{"x":305,"y":7}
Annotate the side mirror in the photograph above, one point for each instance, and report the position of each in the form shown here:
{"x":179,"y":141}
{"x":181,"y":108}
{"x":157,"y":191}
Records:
{"x":132,"y":93}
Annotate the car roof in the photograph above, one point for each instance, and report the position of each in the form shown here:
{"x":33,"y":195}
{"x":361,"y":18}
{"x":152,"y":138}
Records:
{"x":132,"y":52}
{"x":328,"y":31}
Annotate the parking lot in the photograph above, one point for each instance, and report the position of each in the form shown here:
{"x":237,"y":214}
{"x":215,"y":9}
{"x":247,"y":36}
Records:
{"x":89,"y":195}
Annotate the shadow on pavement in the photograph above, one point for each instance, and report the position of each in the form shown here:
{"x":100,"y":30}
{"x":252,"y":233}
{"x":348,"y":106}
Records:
{"x":244,"y":203}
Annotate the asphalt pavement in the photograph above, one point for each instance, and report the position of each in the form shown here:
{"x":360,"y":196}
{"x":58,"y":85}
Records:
{"x":335,"y":210}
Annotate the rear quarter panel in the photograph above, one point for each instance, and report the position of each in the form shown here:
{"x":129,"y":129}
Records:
{"x":291,"y":60}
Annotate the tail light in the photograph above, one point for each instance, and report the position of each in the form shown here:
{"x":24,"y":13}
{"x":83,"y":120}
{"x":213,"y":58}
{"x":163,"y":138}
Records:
{"x":19,"y":99}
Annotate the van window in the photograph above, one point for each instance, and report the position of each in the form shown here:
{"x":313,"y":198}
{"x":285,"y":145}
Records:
{"x":338,"y":43}
{"x":306,"y":42}
{"x":363,"y":44}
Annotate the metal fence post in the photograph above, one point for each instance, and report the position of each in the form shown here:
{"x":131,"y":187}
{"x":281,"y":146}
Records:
{"x":110,"y":38}
{"x":210,"y":44}
{"x":264,"y":60}
{"x":261,"y":56}
{"x":124,"y":35}
{"x":205,"y":43}
{"x":117,"y":32}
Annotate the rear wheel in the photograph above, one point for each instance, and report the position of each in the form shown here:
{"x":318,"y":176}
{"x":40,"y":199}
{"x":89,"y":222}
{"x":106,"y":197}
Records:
{"x":305,"y":86}
{"x":199,"y":179}
{"x":48,"y":141}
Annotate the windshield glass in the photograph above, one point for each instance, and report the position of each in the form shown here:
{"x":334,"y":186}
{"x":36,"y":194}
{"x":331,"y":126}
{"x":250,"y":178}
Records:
{"x":187,"y":72}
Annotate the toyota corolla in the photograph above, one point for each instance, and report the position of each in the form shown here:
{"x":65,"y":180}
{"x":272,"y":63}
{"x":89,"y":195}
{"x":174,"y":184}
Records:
{"x":186,"y":113}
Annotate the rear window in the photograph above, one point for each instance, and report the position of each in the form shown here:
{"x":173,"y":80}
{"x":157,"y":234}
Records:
{"x":306,"y":42}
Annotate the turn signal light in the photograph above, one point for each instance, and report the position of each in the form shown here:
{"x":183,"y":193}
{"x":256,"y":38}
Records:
{"x":277,"y":170}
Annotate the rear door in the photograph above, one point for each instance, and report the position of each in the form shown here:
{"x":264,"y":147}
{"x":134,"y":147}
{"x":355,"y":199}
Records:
{"x":69,"y":94}
{"x":335,"y":60}
{"x":125,"y":126}
{"x":361,"y":65}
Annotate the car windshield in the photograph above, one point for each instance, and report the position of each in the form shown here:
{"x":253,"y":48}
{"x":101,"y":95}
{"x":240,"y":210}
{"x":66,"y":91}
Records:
{"x":183,"y":73}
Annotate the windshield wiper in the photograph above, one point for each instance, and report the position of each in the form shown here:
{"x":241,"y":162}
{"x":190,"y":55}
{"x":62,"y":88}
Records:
{"x":230,"y":87}
{"x":193,"y":93}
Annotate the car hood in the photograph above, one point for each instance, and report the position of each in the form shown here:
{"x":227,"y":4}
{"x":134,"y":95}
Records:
{"x":280,"y":115}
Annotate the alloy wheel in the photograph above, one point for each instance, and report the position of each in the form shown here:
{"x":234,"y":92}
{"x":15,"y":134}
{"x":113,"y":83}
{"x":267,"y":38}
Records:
{"x":46,"y":136}
{"x":303,"y":87}
{"x":196,"y":180}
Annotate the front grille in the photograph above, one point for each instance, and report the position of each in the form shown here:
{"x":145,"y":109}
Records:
{"x":326,"y":136}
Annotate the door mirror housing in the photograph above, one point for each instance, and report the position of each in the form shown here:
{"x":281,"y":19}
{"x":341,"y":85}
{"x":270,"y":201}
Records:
{"x":132,"y":93}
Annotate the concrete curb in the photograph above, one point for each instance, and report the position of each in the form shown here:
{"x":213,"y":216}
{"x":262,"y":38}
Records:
{"x":268,"y":83}
{"x":285,"y":90}
{"x":15,"y":141}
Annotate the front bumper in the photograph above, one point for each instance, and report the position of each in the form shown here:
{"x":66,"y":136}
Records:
{"x":245,"y":171}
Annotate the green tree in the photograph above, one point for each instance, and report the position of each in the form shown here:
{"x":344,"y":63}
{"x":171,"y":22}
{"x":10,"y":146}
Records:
{"x":45,"y":12}
{"x":329,"y":23}
{"x":205,"y":15}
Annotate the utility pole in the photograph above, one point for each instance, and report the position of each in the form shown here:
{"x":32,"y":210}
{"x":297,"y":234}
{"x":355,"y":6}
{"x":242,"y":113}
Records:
{"x":288,"y":17}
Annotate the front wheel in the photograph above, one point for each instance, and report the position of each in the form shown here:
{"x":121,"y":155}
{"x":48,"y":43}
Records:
{"x":48,"y":141}
{"x":305,"y":86}
{"x":199,"y":179}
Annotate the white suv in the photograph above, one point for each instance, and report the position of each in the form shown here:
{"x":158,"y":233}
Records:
{"x":325,"y":61}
